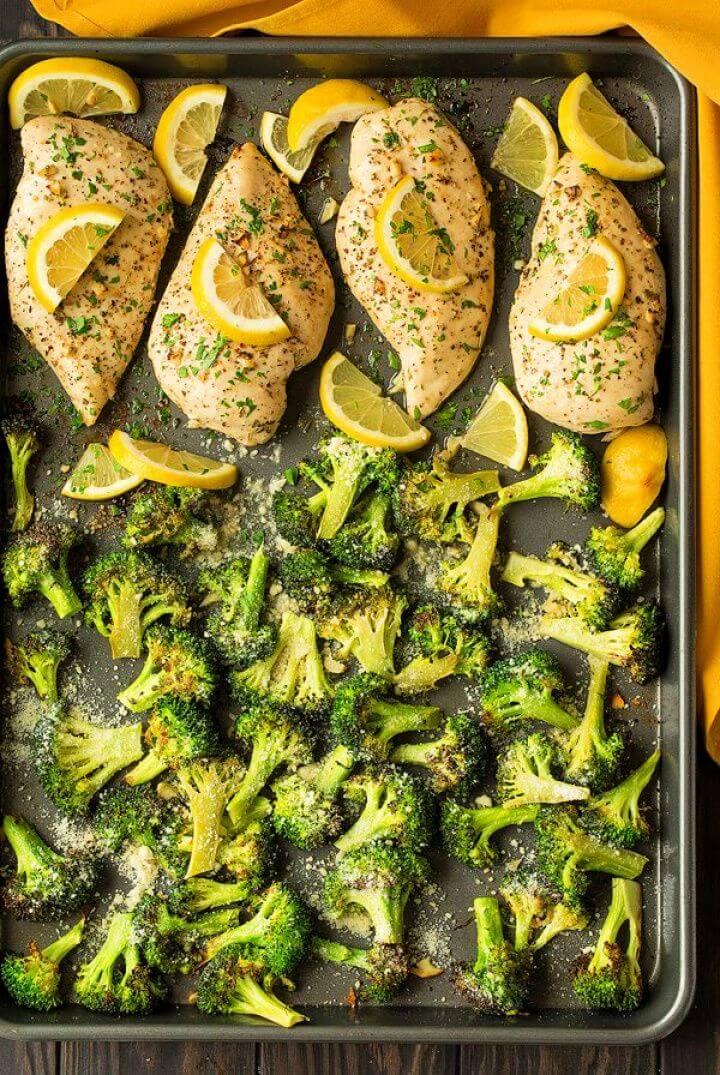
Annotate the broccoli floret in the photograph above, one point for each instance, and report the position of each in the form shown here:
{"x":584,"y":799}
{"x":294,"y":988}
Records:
{"x":525,"y":774}
{"x":173,"y":942}
{"x":566,"y":853}
{"x":117,"y":981}
{"x":455,"y":761}
{"x":45,"y":884}
{"x":468,"y":830}
{"x":22,"y":434}
{"x":35,"y":562}
{"x":365,"y":625}
{"x":292,"y":674}
{"x":440,"y":644}
{"x":127,"y":592}
{"x":567,"y":471}
{"x":237,"y":589}
{"x":199,"y":894}
{"x":296,"y":516}
{"x":170,"y":515}
{"x":178,"y":663}
{"x":37,"y":658}
{"x":559,"y":918}
{"x":430,"y":502}
{"x":591,"y":754}
{"x":309,"y":577}
{"x":206,"y":786}
{"x":178,"y":731}
{"x":591,"y":598}
{"x":633,"y":639}
{"x":33,"y":980}
{"x":365,"y":541}
{"x":377,"y":879}
{"x":497,"y":982}
{"x":468,"y":581}
{"x":75,"y":757}
{"x":248,"y":856}
{"x":537,"y":913}
{"x":615,"y":554}
{"x":366,"y":721}
{"x":237,"y":983}
{"x":616,"y":815}
{"x":278,"y":932}
{"x":611,"y":977}
{"x":384,"y":966}
{"x":393,"y":806}
{"x":127,"y":815}
{"x":343,"y":471}
{"x":522,"y":688}
{"x":306,"y":810}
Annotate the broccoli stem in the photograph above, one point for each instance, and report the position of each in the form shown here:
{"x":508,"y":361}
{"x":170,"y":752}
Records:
{"x":146,"y":769}
{"x":334,"y":771}
{"x":396,"y":718}
{"x":414,"y":753}
{"x":624,"y":798}
{"x":625,"y":906}
{"x":370,"y":822}
{"x":143,"y":691}
{"x":126,"y":632}
{"x":97,"y":975}
{"x":57,"y":951}
{"x":637,"y":538}
{"x":386,"y":911}
{"x":31,"y":851}
{"x":253,"y":598}
{"x":20,"y":457}
{"x":339,"y":499}
{"x":555,"y":577}
{"x":424,"y":673}
{"x":207,"y":894}
{"x":612,"y":645}
{"x":249,"y":998}
{"x":602,"y":858}
{"x":489,"y":928}
{"x":334,"y":952}
{"x":59,"y":591}
{"x":592,"y":727}
{"x":264,"y":760}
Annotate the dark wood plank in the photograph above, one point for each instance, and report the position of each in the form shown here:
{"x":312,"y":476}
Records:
{"x":37,"y":1058}
{"x":153,"y":1058}
{"x":556,"y":1060}
{"x":375,"y":1059}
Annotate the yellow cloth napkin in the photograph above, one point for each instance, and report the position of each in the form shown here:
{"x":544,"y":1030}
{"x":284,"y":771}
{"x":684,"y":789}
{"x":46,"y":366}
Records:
{"x":687,"y":34}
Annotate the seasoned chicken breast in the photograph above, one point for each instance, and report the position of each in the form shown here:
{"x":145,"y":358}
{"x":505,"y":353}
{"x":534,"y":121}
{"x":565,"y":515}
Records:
{"x":238,"y":389}
{"x":436,"y":336}
{"x":91,"y":337}
{"x":605,"y":382}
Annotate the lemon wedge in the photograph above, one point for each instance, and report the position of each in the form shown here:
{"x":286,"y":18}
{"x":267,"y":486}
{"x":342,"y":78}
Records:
{"x":499,"y":430}
{"x":589,"y":298}
{"x":97,"y":476}
{"x":63,"y":247}
{"x":320,"y":110}
{"x":273,"y":132}
{"x":167,"y":466}
{"x":527,"y":151}
{"x":601,"y":138}
{"x":186,"y":129}
{"x":225,"y":298}
{"x":411,"y":243}
{"x":80,"y":86}
{"x":356,"y":405}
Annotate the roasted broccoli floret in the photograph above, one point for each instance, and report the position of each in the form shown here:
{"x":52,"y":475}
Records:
{"x":33,"y":980}
{"x":633,"y":639}
{"x":45,"y":883}
{"x":616,"y":816}
{"x":366,"y":721}
{"x":615,"y":554}
{"x":377,"y":879}
{"x":206,"y":786}
{"x":292,"y":674}
{"x":35,"y":562}
{"x":365,"y":625}
{"x":198,"y":894}
{"x":178,"y":731}
{"x":237,"y":591}
{"x":468,"y":580}
{"x":591,"y":754}
{"x":455,"y":761}
{"x":559,"y":918}
{"x":236,"y":982}
{"x":127,"y":815}
{"x":22,"y":435}
{"x":384,"y":966}
{"x":344,"y":469}
{"x":573,"y":590}
{"x":117,"y":981}
{"x":440,"y":644}
{"x":393,"y":807}
{"x":37,"y":658}
{"x":306,"y":810}
{"x":170,"y":515}
{"x":468,"y":830}
{"x":528,"y":898}
{"x":431,"y":502}
{"x":522,"y":688}
{"x":525,"y":774}
{"x":567,"y":471}
{"x":248,"y":856}
{"x":566,"y":853}
{"x":497,"y":982}
{"x":611,"y":977}
{"x":309,"y":577}
{"x":127,"y":592}
{"x":364,"y":540}
{"x":75,"y":757}
{"x":278,"y":932}
{"x":296,"y":516}
{"x":172,"y":942}
{"x":178,"y":663}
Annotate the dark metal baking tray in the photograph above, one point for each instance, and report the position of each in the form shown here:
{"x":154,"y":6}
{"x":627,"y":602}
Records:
{"x":476,"y":82}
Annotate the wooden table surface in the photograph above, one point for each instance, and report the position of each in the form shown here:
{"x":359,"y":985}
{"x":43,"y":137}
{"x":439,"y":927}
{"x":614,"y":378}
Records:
{"x":694,"y":1049}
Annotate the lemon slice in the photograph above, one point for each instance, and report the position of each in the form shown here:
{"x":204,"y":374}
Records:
{"x":186,"y":129}
{"x":499,"y":430}
{"x":321,"y":109}
{"x":80,"y":86}
{"x":357,"y":406}
{"x":235,"y":307}
{"x":63,"y":247}
{"x":97,"y":476}
{"x":273,"y":132}
{"x":527,"y":151}
{"x":162,"y":464}
{"x":599,"y":137}
{"x":411,"y":243}
{"x":589,"y":298}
